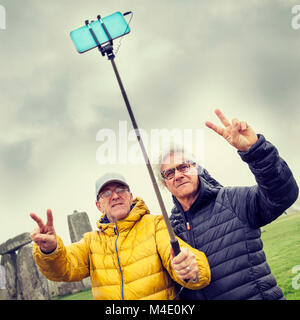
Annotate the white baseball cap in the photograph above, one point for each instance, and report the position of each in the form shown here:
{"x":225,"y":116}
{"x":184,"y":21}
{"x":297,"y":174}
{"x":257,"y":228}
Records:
{"x":107,"y":178}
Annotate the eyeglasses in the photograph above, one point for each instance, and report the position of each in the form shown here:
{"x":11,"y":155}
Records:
{"x":108,"y":193}
{"x":183,"y":167}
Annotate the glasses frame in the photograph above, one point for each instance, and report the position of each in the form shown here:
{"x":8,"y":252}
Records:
{"x":188,"y":162}
{"x":118,"y":190}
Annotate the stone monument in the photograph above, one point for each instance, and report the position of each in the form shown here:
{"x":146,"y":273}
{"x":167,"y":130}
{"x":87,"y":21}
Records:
{"x":20,"y":278}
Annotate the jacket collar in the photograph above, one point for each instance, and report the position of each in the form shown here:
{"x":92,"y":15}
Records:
{"x":209,"y":188}
{"x":138,"y":210}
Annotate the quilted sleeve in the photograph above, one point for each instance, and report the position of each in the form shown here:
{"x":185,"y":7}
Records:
{"x":163,"y":247}
{"x":276,"y":188}
{"x":66,"y":263}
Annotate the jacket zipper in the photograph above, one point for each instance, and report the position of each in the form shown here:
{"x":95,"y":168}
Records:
{"x":188,"y":224}
{"x":192,"y":239}
{"x":116,"y":229}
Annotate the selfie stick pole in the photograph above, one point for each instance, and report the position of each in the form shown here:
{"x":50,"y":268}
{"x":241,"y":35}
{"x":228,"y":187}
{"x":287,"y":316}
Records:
{"x":108,"y":50}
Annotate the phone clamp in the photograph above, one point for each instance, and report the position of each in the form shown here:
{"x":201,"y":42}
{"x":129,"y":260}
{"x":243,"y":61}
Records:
{"x":108,"y":48}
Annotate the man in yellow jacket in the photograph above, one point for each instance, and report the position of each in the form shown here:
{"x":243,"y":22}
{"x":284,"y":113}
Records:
{"x":128,"y":257}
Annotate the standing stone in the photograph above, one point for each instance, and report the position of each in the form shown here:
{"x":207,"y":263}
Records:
{"x":64,"y":288}
{"x":8,"y":287}
{"x":32,"y":285}
{"x":79,"y":224}
{"x":15,"y":243}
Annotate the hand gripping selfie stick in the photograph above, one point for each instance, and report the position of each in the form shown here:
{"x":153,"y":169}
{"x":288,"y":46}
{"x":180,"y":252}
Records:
{"x":108,"y":50}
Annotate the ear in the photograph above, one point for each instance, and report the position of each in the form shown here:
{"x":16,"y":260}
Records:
{"x":98,"y":205}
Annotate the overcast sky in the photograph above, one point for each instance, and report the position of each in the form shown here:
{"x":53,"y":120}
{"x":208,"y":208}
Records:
{"x":181,"y":61}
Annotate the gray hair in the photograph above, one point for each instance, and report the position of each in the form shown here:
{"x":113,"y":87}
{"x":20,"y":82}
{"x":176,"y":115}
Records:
{"x":166,"y":152}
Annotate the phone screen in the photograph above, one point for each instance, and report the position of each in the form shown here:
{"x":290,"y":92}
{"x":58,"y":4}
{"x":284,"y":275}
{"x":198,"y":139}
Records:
{"x":115,"y":24}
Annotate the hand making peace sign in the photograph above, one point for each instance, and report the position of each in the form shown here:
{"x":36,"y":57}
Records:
{"x":239,"y":134}
{"x":44,"y":236}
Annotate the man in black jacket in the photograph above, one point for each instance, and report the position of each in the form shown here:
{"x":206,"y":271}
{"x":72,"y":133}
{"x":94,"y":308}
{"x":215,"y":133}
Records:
{"x":224,"y":222}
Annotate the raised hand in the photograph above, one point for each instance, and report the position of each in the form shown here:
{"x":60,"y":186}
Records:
{"x":185,"y":264}
{"x":44,"y":236}
{"x":238,"y":133}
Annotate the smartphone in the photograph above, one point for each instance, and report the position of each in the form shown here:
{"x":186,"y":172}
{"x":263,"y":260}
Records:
{"x":115,"y":24}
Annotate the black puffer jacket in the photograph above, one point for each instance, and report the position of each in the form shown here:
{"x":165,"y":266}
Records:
{"x":225,"y":224}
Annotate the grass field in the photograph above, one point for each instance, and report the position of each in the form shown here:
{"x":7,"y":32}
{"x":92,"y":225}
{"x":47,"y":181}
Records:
{"x":281,"y":241}
{"x":83,"y":295}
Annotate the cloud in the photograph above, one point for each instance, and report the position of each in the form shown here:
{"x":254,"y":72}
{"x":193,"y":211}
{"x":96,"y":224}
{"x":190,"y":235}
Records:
{"x":16,"y":157}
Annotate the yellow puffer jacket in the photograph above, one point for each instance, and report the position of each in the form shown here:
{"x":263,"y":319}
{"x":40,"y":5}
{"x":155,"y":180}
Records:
{"x":129,"y":259}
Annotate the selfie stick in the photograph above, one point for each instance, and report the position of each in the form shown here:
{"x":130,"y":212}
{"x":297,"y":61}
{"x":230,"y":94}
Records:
{"x":108,"y":50}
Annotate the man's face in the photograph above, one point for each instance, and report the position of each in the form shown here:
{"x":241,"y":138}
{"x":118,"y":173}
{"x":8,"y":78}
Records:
{"x":183,"y":184}
{"x":115,"y":201}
